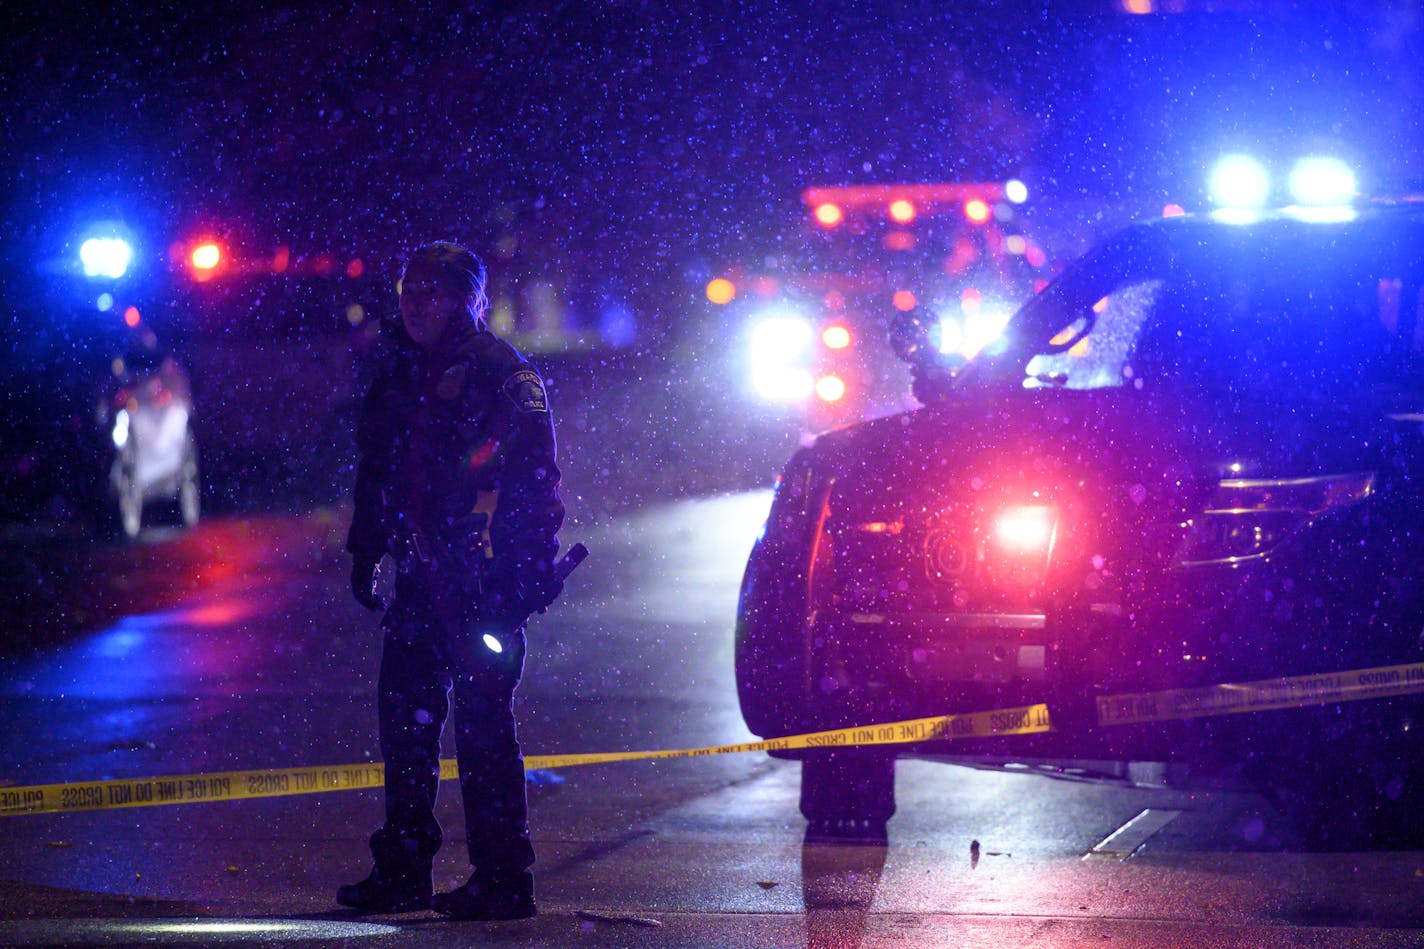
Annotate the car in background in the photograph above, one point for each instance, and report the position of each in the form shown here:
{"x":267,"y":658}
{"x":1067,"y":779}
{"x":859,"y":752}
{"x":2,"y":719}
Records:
{"x":1194,"y":460}
{"x":808,"y":313}
{"x":146,"y":418}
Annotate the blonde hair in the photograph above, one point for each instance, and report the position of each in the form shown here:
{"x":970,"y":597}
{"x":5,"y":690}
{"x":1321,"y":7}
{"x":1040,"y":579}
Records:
{"x":458,"y":268}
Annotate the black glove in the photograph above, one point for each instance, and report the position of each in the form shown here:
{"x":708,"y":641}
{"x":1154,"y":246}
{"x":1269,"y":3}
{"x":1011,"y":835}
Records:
{"x":516,"y":597}
{"x":503,"y":612}
{"x":542,"y":590}
{"x":548,"y":584}
{"x":363,"y":583}
{"x":530,"y":594}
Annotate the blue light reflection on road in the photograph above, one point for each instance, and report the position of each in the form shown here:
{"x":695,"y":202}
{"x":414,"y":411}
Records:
{"x":144,"y":656}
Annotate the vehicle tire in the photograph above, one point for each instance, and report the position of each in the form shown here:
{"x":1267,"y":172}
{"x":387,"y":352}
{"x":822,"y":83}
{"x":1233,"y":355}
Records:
{"x":1389,"y":786}
{"x":1399,"y":816}
{"x":189,"y":487}
{"x":1366,"y":795}
{"x":848,"y":794}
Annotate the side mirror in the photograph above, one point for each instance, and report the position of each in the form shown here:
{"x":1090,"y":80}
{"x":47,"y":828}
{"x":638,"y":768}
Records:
{"x":931,"y":374}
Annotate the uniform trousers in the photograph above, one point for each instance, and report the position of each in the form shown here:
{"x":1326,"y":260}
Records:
{"x":435,"y":650}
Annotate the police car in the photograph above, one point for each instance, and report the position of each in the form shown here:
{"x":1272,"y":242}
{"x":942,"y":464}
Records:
{"x":1179,"y":503}
{"x":146,"y":417}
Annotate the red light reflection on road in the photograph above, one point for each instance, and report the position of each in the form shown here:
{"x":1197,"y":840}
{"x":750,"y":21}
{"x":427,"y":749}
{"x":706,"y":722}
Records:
{"x":214,"y":614}
{"x":153,"y":654}
{"x":180,"y":615}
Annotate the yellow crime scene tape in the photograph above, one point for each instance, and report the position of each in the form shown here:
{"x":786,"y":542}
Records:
{"x":1233,"y":698}
{"x":1123,"y":709}
{"x":279,"y":782}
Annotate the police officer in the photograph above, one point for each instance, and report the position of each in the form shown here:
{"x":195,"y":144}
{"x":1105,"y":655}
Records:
{"x":457,"y":480}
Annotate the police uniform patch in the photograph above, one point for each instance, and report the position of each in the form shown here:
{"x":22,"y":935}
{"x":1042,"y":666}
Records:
{"x":525,"y":390}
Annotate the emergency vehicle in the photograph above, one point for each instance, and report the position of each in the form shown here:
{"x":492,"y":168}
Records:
{"x":812,"y":317}
{"x":1175,"y":506}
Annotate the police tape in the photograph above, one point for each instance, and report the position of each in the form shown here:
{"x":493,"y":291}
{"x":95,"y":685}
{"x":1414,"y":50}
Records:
{"x":1234,"y":698}
{"x":1123,"y":709}
{"x":280,"y":782}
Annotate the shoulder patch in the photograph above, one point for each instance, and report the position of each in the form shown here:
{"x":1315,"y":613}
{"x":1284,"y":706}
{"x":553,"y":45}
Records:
{"x":526,"y":391}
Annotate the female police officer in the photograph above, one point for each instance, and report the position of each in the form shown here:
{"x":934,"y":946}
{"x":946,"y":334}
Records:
{"x":457,"y":480}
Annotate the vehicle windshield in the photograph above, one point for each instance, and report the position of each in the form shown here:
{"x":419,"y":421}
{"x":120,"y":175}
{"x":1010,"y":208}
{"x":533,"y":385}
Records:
{"x":1323,"y":311}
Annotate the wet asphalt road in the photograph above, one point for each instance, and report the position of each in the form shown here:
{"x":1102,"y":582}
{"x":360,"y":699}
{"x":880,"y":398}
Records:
{"x":236,"y":646}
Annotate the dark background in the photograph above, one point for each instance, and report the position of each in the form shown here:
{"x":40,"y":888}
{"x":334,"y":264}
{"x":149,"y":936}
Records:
{"x":614,"y":153}
{"x":605,"y":133}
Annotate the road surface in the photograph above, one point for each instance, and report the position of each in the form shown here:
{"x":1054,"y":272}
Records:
{"x":236,"y":646}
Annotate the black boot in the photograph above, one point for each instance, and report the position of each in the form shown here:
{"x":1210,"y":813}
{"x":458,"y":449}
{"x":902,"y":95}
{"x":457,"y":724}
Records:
{"x":489,"y":897}
{"x":400,"y":880}
{"x":389,"y":891}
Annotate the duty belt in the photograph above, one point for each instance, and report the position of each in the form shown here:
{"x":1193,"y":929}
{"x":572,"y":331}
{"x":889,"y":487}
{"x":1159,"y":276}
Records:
{"x":412,"y":549}
{"x":469,"y":547}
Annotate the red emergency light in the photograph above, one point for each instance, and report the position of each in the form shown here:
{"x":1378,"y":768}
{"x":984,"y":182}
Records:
{"x":919,"y":199}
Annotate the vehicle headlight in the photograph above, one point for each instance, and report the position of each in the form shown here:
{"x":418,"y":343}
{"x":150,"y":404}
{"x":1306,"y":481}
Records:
{"x":121,"y":428}
{"x":779,"y":357}
{"x":974,"y":329}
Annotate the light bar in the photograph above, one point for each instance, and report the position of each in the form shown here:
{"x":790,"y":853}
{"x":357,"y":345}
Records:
{"x":1239,"y":182}
{"x":1322,"y":180}
{"x":105,"y":257}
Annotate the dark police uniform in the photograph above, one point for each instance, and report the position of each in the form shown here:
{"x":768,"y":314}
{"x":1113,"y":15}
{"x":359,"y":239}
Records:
{"x":458,"y":480}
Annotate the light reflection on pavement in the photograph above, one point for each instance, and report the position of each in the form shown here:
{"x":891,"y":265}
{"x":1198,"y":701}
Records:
{"x":149,"y":654}
{"x":236,"y":645}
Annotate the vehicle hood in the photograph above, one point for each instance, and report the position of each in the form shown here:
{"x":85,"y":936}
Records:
{"x":1109,"y":436}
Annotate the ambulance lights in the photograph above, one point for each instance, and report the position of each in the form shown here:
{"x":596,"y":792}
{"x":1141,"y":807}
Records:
{"x":902,"y":211}
{"x":828,"y":214}
{"x":720,"y":290}
{"x":835,"y":336}
{"x":830,"y":388}
{"x":206,"y":256}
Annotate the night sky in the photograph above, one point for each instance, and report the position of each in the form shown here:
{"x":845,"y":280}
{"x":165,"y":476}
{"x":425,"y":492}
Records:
{"x":658,"y":134}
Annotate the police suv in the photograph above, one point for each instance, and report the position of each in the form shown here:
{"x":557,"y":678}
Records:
{"x":1179,"y":504}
